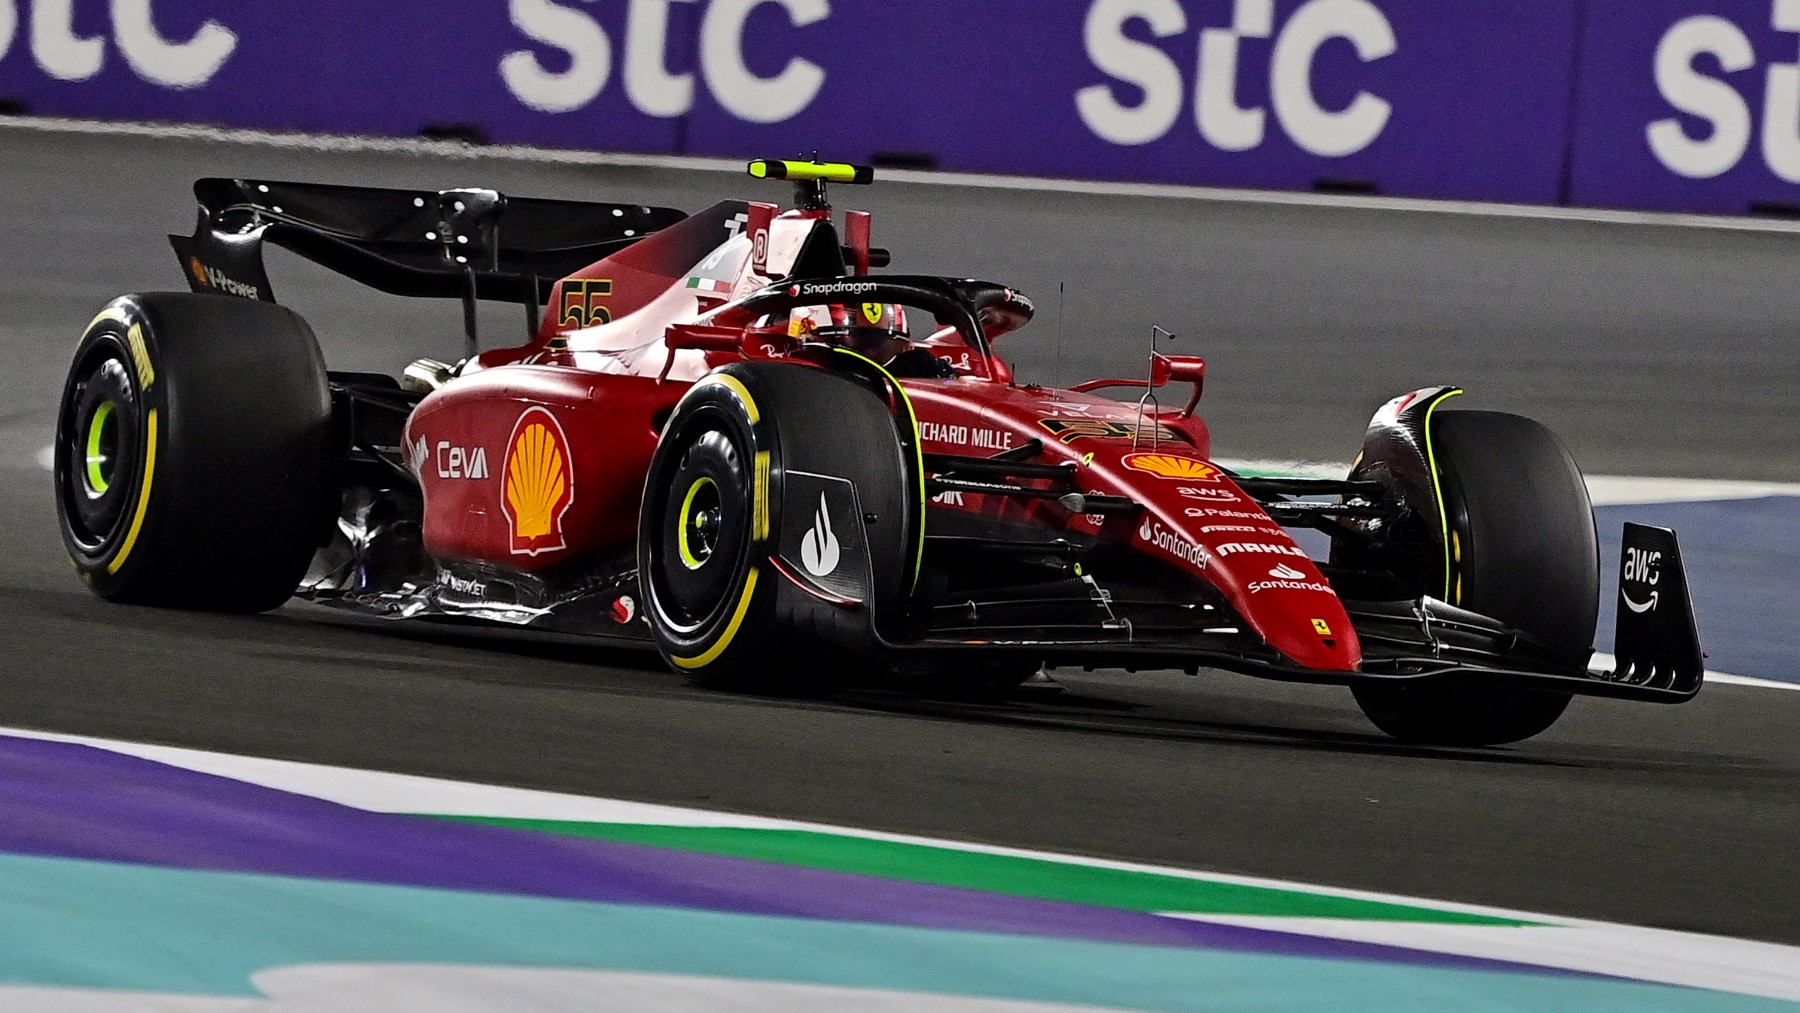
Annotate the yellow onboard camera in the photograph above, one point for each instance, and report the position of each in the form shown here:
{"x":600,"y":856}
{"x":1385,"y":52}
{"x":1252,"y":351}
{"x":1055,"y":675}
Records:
{"x":807,"y":172}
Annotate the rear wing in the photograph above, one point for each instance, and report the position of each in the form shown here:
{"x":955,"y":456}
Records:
{"x":468,"y":243}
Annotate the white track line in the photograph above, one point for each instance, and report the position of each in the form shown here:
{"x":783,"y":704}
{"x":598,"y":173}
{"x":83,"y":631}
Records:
{"x":1620,"y":490}
{"x":456,"y":150}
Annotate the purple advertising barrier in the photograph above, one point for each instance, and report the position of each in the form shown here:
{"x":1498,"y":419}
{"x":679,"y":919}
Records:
{"x":1689,"y":105}
{"x":522,"y":71}
{"x":1429,"y":98}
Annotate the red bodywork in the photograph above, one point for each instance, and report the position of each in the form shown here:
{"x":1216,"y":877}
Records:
{"x":534,"y":458}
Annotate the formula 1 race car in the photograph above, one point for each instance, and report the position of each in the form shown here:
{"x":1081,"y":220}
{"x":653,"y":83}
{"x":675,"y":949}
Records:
{"x":729,"y":440}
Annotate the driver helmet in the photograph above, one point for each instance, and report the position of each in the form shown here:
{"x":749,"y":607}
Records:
{"x":887,"y":317}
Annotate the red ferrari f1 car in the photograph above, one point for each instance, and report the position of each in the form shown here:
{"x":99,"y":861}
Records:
{"x":728,"y":438}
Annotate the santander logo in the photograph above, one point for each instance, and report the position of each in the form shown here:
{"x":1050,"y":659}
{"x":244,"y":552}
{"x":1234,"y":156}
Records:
{"x":1182,"y":549}
{"x":1287,"y":578}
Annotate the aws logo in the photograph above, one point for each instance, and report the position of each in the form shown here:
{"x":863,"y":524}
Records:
{"x":540,"y":483}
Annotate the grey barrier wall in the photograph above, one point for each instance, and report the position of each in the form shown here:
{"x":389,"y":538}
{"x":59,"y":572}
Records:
{"x":1665,"y":104}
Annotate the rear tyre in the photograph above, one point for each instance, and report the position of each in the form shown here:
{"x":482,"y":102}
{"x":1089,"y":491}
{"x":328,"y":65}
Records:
{"x":1522,"y":550}
{"x":193,"y":452}
{"x":712,"y":513}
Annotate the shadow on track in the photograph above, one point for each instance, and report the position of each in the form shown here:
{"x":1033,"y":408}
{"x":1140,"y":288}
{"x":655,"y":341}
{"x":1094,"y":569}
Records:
{"x":1079,"y":711}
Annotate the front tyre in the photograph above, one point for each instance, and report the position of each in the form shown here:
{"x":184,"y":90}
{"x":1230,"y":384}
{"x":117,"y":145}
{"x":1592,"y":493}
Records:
{"x":718,"y":487}
{"x":193,"y":452}
{"x":1521,"y":548}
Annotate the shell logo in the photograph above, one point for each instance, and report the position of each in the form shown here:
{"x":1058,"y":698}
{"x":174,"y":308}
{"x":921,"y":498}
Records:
{"x":540,"y":483}
{"x":1170,"y":466}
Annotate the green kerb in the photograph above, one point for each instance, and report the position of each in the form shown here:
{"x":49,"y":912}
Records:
{"x":1024,"y":877}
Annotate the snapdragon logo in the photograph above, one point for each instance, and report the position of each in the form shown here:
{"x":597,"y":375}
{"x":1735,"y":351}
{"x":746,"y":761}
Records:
{"x":838,"y":288}
{"x":67,"y":55}
{"x":1118,"y":114}
{"x":582,"y":66}
{"x":1721,"y":146}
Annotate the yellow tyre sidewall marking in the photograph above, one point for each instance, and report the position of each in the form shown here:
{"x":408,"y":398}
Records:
{"x":732,"y":384}
{"x":712,"y":653}
{"x":143,"y":503}
{"x":1452,"y":580}
{"x":140,"y":355}
{"x":760,"y":498}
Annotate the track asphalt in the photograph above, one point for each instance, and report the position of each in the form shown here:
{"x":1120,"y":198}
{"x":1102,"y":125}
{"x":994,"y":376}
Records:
{"x":1655,"y":350}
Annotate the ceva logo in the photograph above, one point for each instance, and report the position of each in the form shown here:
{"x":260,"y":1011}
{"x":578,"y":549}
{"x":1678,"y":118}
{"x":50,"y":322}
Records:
{"x":1683,"y":84}
{"x":1154,"y":92}
{"x":585,"y":65}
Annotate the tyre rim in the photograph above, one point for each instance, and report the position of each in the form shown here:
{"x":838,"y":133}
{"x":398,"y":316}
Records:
{"x":99,"y":450}
{"x":702,"y":514}
{"x":102,"y":448}
{"x":704,"y":541}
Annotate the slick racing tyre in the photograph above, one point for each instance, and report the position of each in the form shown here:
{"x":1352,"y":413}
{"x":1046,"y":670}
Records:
{"x":737,"y":466}
{"x":193,"y":452}
{"x":1522,"y":549}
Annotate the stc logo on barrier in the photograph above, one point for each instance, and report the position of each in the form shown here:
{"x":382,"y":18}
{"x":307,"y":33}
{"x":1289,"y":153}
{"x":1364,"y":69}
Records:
{"x":651,"y":88}
{"x":66,"y":55}
{"x":1686,"y":87}
{"x":1220,"y":119}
